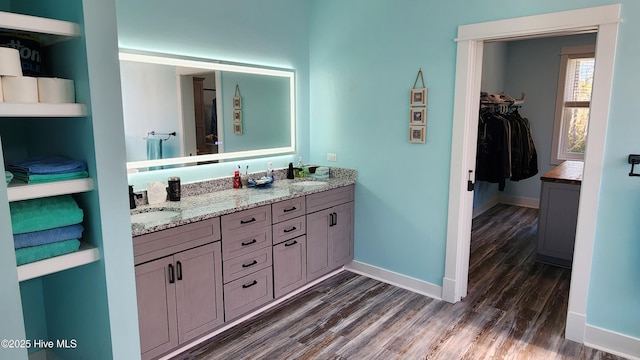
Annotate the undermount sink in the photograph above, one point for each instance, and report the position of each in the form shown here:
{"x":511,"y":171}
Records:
{"x":310,"y":183}
{"x":154,"y":216}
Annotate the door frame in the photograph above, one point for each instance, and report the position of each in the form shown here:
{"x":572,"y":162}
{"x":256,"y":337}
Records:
{"x":602,"y":19}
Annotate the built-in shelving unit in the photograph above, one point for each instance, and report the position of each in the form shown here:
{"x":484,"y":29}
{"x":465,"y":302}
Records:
{"x":21,"y":191}
{"x":85,"y":255}
{"x":49,"y":31}
{"x":42,"y":110}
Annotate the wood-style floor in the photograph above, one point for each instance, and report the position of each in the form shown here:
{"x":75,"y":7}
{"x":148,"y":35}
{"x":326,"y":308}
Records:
{"x":515,"y":309}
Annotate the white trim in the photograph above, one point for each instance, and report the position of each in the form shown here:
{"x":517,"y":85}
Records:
{"x":612,"y":342}
{"x":468,"y":68}
{"x":546,"y":24}
{"x":393,"y":278}
{"x":519,"y":201}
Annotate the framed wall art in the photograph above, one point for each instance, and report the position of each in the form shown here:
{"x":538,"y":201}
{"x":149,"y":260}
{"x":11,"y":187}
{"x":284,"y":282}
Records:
{"x":237,"y":116}
{"x":418,"y":116}
{"x":237,"y":128}
{"x":419,"y":97}
{"x":417,"y":134}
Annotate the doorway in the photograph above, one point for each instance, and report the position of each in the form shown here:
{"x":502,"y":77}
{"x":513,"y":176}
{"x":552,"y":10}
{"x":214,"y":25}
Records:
{"x":471,"y":39}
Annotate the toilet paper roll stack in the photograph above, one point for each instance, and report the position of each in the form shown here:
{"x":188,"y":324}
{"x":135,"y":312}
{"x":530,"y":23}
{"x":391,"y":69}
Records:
{"x":16,"y":88}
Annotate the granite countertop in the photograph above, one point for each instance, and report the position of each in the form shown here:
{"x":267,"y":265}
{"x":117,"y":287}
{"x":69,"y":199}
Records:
{"x":569,"y":172}
{"x":216,"y":203}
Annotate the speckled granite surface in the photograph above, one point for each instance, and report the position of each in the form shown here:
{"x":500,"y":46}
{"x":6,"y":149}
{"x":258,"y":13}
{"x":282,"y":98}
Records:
{"x":216,"y":197}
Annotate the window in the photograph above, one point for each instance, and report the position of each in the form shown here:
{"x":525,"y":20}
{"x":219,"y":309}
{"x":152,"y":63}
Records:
{"x":575,"y":81}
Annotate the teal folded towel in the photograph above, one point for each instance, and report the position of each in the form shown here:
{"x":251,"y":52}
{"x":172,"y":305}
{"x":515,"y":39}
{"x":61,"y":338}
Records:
{"x":39,"y":179}
{"x":41,"y":252}
{"x":8,"y":176}
{"x":44,"y":213}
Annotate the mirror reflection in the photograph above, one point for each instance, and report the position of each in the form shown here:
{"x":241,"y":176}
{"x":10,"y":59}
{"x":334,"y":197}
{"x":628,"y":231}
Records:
{"x":184,"y":111}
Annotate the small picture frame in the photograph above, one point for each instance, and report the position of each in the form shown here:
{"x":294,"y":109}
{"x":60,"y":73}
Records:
{"x":237,"y":128}
{"x":418,"y":116}
{"x":419,"y":97}
{"x":417,"y":134}
{"x":237,"y":102}
{"x":237,"y":116}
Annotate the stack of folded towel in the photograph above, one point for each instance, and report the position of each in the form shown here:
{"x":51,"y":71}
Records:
{"x":43,"y":169}
{"x":45,"y":227}
{"x":8,"y":176}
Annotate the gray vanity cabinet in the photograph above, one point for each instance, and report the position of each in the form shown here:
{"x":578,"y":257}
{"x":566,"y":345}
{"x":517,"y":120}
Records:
{"x":289,"y":249}
{"x":329,"y":231}
{"x":179,"y":293}
{"x":247,"y":260}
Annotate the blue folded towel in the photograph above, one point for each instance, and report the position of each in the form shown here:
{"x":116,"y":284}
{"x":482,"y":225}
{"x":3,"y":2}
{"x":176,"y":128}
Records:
{"x":8,"y":176}
{"x":47,"y":236}
{"x":46,"y":165}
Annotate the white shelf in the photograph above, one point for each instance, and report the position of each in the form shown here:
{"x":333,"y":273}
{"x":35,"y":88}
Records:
{"x":22,"y":191}
{"x":85,"y":255}
{"x":42,"y":110}
{"x":50,"y":30}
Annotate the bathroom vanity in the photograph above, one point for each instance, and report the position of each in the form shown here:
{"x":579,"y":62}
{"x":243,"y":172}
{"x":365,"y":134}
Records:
{"x":211,"y":258}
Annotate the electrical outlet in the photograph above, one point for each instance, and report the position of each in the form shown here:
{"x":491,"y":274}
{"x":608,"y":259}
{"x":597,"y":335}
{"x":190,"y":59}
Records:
{"x":332,"y":157}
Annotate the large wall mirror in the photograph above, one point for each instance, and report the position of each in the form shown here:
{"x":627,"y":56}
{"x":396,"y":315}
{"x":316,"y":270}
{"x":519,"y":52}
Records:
{"x":182,"y":111}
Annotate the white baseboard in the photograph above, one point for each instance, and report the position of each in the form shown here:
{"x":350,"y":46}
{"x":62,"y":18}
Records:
{"x":481,"y":208}
{"x":612,"y":342}
{"x":576,"y":324}
{"x":395,"y":279}
{"x":519,"y":201}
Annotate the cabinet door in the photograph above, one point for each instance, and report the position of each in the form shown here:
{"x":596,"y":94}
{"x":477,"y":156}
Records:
{"x":318,"y":259}
{"x":289,"y":265}
{"x":557,"y":223}
{"x":341,"y":235}
{"x":199,"y":290}
{"x":157,"y":318}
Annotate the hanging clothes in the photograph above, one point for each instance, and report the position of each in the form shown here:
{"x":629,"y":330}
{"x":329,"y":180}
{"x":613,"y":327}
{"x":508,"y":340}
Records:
{"x":505,"y":147}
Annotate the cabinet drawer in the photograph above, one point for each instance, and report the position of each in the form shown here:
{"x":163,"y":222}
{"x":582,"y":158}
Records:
{"x":246,"y":264}
{"x":246,"y":220}
{"x":246,"y":242}
{"x":247,"y":293}
{"x":168,"y":242}
{"x":329,"y":198}
{"x":289,"y":229}
{"x":288,"y":209}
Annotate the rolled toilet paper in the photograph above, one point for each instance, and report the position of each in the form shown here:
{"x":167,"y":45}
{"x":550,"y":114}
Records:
{"x":10,"y":62}
{"x":54,"y":90}
{"x":20,"y":89}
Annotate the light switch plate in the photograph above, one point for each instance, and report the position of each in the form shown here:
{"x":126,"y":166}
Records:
{"x":332,"y":157}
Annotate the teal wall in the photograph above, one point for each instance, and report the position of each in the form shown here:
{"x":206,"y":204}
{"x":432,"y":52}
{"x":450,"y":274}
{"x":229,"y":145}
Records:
{"x":356,"y":61}
{"x":364,"y":58}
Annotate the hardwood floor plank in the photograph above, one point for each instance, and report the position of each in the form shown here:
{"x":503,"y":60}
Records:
{"x":515,"y":309}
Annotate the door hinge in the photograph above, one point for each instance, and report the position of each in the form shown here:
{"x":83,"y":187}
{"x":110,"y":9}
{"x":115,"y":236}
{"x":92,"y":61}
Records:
{"x":470,"y":184}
